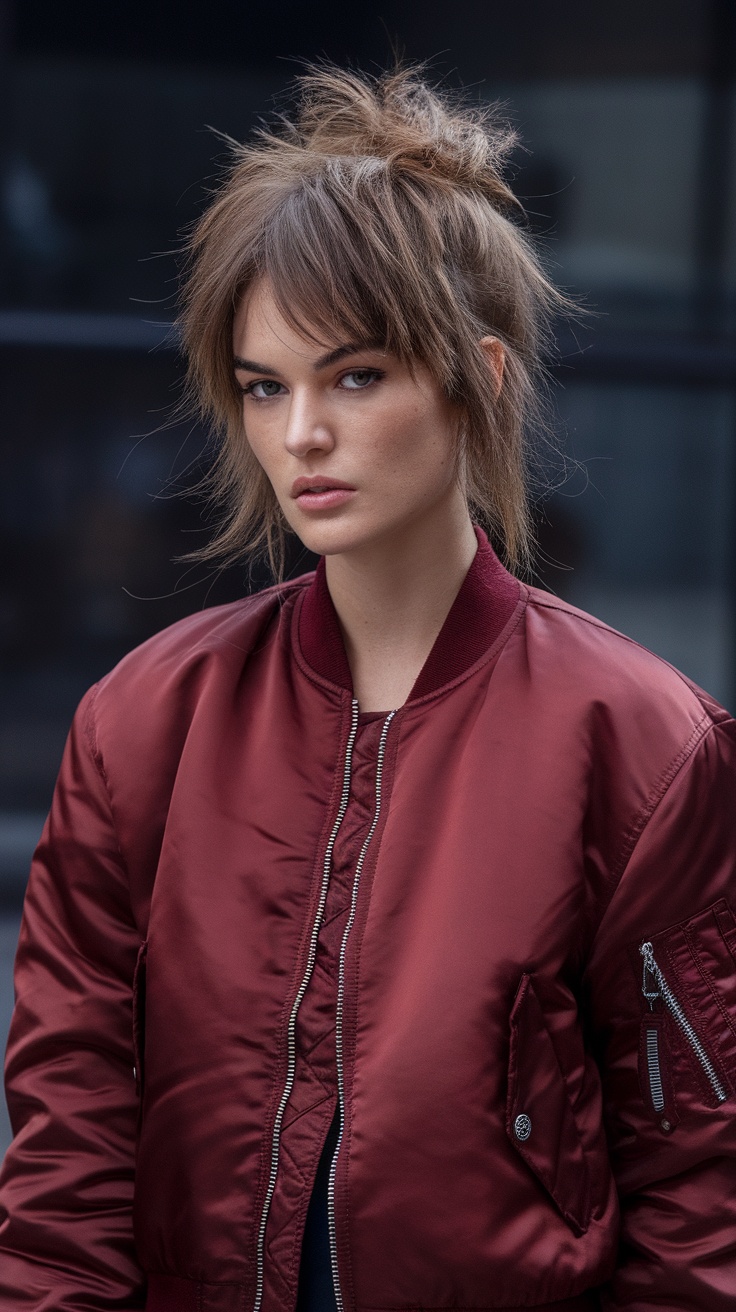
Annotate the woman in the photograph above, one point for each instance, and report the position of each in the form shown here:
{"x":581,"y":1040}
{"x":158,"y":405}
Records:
{"x":379,"y":949}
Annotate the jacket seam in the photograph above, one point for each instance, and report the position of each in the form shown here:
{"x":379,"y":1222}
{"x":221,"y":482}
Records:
{"x":661,"y":788}
{"x":714,"y":993}
{"x":90,"y":733}
{"x":640,"y":824}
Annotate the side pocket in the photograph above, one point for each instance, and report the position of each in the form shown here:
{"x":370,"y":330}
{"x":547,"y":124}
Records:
{"x":139,"y":1017}
{"x":540,"y":1121}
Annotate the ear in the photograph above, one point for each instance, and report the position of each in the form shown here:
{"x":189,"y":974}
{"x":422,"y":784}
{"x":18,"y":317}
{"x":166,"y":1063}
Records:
{"x":495,"y":353}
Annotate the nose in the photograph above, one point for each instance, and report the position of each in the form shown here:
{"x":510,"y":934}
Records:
{"x":307,"y":426}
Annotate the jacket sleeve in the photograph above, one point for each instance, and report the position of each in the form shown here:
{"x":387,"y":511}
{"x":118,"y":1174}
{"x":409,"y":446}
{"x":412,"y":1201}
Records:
{"x":66,"y":1188}
{"x":672,"y":1122}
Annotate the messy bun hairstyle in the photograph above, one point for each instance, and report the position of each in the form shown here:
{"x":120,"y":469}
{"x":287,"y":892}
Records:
{"x":378,"y":212}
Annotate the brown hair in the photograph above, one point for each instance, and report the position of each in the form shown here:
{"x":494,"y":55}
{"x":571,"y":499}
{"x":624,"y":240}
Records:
{"x":379,"y":211}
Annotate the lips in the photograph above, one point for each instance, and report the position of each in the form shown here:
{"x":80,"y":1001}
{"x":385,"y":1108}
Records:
{"x":320,"y":495}
{"x":313,"y":486}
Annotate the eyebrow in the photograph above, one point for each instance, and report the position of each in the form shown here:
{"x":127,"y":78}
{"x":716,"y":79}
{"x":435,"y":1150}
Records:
{"x":324,"y":361}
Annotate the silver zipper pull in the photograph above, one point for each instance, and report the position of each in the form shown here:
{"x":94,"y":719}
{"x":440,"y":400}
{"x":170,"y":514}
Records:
{"x":654,"y":1069}
{"x":649,"y":972}
{"x":687,"y":1029}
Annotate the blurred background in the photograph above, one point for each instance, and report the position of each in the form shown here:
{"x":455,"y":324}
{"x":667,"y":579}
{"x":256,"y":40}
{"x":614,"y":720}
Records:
{"x":628,"y":172}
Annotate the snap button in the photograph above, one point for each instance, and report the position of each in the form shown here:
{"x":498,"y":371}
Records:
{"x":522,"y":1127}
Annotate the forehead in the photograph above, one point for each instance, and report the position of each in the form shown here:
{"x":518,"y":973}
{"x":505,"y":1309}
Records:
{"x":259,"y":319}
{"x":262,"y":332}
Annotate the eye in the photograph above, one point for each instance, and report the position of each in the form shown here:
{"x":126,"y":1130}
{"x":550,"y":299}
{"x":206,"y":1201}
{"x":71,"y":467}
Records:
{"x":263,"y":389}
{"x":357,"y":379}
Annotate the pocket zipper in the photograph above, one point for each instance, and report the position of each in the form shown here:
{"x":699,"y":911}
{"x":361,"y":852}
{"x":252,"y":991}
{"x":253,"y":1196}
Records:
{"x":662,"y":990}
{"x":654,"y":1069}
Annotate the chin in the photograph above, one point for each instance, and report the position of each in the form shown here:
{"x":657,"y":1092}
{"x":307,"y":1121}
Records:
{"x":334,"y":539}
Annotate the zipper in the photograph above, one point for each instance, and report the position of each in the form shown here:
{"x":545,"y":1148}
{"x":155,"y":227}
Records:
{"x":291,"y":1030}
{"x":655,"y":1073}
{"x":331,"y":1222}
{"x":653,"y":974}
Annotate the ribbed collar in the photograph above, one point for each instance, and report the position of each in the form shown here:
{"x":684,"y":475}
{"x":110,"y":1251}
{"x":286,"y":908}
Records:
{"x":485,"y":603}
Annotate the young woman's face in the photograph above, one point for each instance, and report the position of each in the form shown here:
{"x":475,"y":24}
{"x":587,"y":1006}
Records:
{"x":355,"y":448}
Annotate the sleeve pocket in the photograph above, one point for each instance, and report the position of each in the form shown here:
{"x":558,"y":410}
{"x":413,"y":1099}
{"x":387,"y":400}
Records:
{"x":699,"y":958}
{"x":540,"y":1121}
{"x":139,"y":1016}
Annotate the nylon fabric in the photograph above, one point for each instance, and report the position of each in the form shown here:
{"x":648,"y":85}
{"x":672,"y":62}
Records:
{"x":553,"y":795}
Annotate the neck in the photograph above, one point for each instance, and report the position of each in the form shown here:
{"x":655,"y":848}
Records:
{"x":393,"y":597}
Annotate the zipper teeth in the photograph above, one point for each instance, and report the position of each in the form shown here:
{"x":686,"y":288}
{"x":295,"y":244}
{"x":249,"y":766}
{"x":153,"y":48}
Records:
{"x":655,"y":1073}
{"x":291,"y":1031}
{"x":332,"y":1225}
{"x":647,"y":951}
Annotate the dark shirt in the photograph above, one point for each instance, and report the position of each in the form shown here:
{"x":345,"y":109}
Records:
{"x":316,"y":1288}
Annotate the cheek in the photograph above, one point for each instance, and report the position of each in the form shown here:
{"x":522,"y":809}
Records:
{"x":422,"y":449}
{"x":257,"y":437}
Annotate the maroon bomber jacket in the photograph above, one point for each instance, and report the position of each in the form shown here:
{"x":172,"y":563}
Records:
{"x":495,"y":928}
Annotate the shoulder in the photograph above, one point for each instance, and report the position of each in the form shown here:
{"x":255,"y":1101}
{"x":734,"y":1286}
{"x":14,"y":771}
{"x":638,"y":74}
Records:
{"x":578,"y":651}
{"x":219,"y":632}
{"x":636,"y":728}
{"x":632,"y":717}
{"x":163,"y":679}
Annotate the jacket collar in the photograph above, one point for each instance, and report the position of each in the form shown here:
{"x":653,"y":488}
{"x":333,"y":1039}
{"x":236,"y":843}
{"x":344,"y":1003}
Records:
{"x":481,"y":610}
